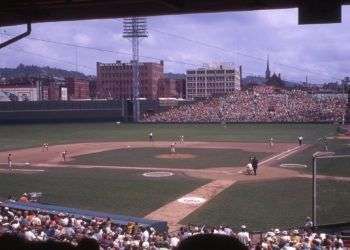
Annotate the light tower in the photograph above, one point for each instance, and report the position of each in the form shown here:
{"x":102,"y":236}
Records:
{"x":135,"y":28}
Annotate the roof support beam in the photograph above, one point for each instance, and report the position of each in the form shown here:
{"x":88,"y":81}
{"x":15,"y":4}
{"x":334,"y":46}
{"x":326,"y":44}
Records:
{"x":19,"y":37}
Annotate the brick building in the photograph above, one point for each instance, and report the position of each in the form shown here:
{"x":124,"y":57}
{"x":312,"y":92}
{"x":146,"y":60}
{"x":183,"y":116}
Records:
{"x":114,"y":80}
{"x":77,"y":88}
{"x":167,"y":88}
{"x":181,"y":88}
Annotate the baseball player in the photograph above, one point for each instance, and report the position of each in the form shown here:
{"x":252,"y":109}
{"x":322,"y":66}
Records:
{"x":324,"y":143}
{"x":45,"y":147}
{"x":64,"y":155}
{"x":255,"y":163}
{"x":182,"y":139}
{"x":300,"y":140}
{"x":9,"y":161}
{"x":250,"y":170}
{"x":150,"y":136}
{"x":271,"y":142}
{"x":172,"y":148}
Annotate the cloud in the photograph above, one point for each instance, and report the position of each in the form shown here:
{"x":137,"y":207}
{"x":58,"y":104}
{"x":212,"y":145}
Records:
{"x":321,"y":51}
{"x":82,"y":39}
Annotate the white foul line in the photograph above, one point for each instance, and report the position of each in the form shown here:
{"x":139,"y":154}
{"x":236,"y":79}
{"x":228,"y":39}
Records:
{"x":22,"y":170}
{"x":278,"y":156}
{"x":281,"y":155}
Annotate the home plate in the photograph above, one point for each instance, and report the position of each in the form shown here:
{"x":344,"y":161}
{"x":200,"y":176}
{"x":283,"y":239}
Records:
{"x":192,"y":200}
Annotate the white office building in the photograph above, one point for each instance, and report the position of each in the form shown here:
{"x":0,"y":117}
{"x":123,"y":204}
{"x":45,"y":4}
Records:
{"x":206,"y":82}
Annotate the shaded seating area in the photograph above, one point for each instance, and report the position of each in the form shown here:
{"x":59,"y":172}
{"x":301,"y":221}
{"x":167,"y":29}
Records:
{"x":78,"y":213}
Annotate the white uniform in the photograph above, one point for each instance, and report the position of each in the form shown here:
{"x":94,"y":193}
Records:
{"x":172,"y":148}
{"x":182,"y":139}
{"x":9,"y":161}
{"x":249,"y":168}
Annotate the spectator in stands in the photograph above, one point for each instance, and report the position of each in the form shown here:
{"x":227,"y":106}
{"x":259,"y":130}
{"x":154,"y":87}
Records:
{"x":308,"y":224}
{"x":97,"y":233}
{"x":262,"y":106}
{"x":24,"y":198}
{"x":243,"y":236}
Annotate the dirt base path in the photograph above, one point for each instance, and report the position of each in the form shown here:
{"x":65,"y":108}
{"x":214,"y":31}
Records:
{"x":175,"y":211}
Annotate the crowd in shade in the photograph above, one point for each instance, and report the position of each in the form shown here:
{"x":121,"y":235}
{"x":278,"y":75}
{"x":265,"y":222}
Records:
{"x":33,"y":226}
{"x":259,"y":106}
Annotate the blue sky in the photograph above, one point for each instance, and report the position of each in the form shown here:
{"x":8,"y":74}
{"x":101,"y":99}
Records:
{"x":243,"y":38}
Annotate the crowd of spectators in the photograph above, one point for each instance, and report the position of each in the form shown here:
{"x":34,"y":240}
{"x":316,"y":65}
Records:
{"x":259,"y":106}
{"x":35,"y":226}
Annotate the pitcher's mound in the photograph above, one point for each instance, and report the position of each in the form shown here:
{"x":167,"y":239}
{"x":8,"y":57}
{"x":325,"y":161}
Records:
{"x":175,"y":156}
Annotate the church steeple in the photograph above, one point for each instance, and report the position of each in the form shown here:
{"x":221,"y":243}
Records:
{"x":268,"y":72}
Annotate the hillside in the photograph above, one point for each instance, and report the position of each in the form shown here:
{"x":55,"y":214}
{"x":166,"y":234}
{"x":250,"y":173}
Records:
{"x":35,"y":71}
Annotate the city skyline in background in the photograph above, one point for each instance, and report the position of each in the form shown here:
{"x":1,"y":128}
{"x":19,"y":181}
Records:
{"x":191,"y":41}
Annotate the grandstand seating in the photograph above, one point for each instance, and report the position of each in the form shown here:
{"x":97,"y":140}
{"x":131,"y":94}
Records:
{"x":115,"y":218}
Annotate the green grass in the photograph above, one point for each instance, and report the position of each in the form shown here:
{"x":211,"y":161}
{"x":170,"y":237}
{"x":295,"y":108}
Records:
{"x":275,"y":204}
{"x":123,"y":192}
{"x":335,"y":167}
{"x":146,"y":157}
{"x":23,"y":136}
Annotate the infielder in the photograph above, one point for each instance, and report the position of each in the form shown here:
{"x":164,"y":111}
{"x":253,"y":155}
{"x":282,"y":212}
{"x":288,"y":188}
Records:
{"x":64,"y":154}
{"x":9,"y":161}
{"x":271,"y":142}
{"x":45,"y":147}
{"x":181,"y":139}
{"x":172,"y":148}
{"x":150,"y":136}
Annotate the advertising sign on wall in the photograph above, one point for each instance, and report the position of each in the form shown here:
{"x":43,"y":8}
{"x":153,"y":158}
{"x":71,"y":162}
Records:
{"x":18,"y":94}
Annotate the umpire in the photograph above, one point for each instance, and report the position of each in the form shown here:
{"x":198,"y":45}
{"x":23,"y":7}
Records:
{"x":255,"y":163}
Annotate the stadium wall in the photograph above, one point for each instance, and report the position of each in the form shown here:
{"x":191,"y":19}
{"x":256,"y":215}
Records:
{"x":61,"y":111}
{"x":77,"y":111}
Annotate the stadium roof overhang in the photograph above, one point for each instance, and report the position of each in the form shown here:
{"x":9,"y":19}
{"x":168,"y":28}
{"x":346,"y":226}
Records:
{"x":14,"y":12}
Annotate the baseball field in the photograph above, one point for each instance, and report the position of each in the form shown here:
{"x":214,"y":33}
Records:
{"x":115,"y":168}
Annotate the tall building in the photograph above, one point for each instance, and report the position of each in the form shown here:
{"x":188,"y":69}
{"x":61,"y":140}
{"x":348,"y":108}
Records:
{"x":213,"y":81}
{"x":114,"y":80}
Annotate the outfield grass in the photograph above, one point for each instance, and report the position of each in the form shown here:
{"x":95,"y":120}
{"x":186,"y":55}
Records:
{"x":23,"y":136}
{"x":275,"y":204}
{"x":146,"y":157}
{"x":335,"y":167}
{"x":117,"y":191}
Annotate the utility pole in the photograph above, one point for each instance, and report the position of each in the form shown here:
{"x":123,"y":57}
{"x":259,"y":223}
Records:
{"x":134,"y":29}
